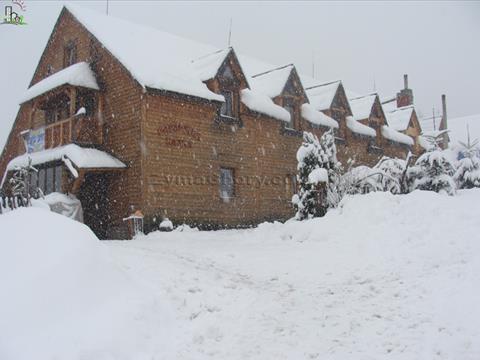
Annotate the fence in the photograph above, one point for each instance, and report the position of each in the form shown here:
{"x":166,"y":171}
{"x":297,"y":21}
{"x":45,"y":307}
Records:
{"x":9,"y":203}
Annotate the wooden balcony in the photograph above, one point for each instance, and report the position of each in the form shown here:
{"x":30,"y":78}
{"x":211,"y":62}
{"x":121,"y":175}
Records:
{"x":79,"y":129}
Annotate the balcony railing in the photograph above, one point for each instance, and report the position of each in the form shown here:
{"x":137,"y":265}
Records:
{"x":81,"y":129}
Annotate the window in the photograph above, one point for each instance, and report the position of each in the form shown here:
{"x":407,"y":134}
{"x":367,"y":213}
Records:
{"x":58,"y":178}
{"x":70,"y":54}
{"x":49,"y":179}
{"x":290,"y":185}
{"x":226,"y":184}
{"x":291,"y":111}
{"x":49,"y":70}
{"x":227,"y":106}
{"x":57,"y":109}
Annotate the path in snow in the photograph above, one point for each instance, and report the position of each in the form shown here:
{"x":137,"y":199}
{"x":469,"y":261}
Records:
{"x":383,"y":277}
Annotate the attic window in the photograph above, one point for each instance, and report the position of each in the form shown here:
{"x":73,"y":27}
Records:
{"x":227,"y":73}
{"x":70,"y":54}
{"x":227,"y":106}
{"x":291,"y":111}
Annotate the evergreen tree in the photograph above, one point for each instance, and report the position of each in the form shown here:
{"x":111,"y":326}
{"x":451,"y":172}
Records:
{"x":433,"y":171}
{"x":392,"y":174}
{"x":467,"y":175}
{"x":318,"y":176}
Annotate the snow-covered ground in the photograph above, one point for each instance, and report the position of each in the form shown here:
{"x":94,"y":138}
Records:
{"x":382,"y":277}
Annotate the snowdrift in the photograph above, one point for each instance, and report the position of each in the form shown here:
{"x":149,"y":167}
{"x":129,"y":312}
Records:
{"x":62,"y":297}
{"x":382,"y":277}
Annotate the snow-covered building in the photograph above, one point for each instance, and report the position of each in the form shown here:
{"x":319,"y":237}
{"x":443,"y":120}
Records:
{"x":369,"y":120}
{"x":402,"y":117}
{"x":127,"y":118}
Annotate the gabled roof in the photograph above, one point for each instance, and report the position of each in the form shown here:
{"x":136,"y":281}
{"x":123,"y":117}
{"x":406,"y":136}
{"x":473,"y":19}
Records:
{"x":393,"y":135}
{"x":389,"y":104}
{"x":78,"y":74}
{"x":399,"y":119}
{"x":155,"y":59}
{"x":272,"y":82}
{"x":362,"y":106}
{"x":207,"y":66}
{"x":321,"y":96}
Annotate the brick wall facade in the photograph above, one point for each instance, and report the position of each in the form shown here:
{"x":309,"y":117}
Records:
{"x":174,"y":147}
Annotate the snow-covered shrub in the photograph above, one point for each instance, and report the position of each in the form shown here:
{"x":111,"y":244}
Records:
{"x":22,"y":190}
{"x":361,"y":180}
{"x":392,"y":175}
{"x":433,"y":171}
{"x":166,"y":225}
{"x":467,"y":175}
{"x":318,"y":176}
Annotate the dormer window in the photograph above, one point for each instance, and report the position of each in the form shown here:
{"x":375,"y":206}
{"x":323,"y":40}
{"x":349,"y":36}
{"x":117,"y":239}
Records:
{"x":227,"y":106}
{"x":70,"y":54}
{"x":291,"y":111}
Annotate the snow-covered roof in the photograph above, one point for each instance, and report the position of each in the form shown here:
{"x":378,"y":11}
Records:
{"x":321,"y":96}
{"x":389,"y":104}
{"x":78,"y":74}
{"x":359,"y":128}
{"x":400,"y":118}
{"x":458,"y":128}
{"x":362,"y":106}
{"x":156,"y":59}
{"x":272,"y":82}
{"x":261,"y":103}
{"x":317,"y":117}
{"x":207,"y":66}
{"x":81,"y":157}
{"x":393,"y":135}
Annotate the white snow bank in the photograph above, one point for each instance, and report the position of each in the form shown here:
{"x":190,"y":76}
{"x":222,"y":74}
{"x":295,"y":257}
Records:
{"x":317,"y":176}
{"x":263,"y":104}
{"x":317,"y":117}
{"x":382,"y":277}
{"x":396,"y":136}
{"x":65,"y":204}
{"x":64,"y":298}
{"x":81,"y":157}
{"x":78,"y":74}
{"x":359,"y":128}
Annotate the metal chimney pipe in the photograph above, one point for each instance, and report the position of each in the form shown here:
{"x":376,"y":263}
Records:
{"x":444,"y":110}
{"x":405,"y":81}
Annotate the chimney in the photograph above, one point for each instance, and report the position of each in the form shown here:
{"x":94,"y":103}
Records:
{"x":405,"y":96}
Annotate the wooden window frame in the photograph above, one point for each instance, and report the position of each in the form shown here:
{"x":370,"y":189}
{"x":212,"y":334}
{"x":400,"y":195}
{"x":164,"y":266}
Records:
{"x":232,"y":191}
{"x":70,"y":53}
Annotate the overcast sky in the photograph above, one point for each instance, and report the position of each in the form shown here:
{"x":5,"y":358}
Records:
{"x":362,"y":43}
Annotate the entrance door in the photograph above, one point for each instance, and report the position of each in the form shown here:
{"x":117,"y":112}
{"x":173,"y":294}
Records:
{"x":93,"y":196}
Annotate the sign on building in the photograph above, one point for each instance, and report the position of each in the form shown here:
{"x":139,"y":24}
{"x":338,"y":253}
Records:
{"x":36,"y":140}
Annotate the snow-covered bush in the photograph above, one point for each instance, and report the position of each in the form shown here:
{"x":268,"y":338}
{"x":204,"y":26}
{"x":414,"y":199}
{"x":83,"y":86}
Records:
{"x":22,"y":190}
{"x":392,"y":175}
{"x":433,"y":171}
{"x":467,"y":175}
{"x":318,"y":176}
{"x":361,"y":180}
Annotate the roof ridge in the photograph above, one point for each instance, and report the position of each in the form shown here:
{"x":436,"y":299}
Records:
{"x":363,"y":96}
{"x":272,"y":70}
{"x":323,"y":84}
{"x":229,"y":48}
